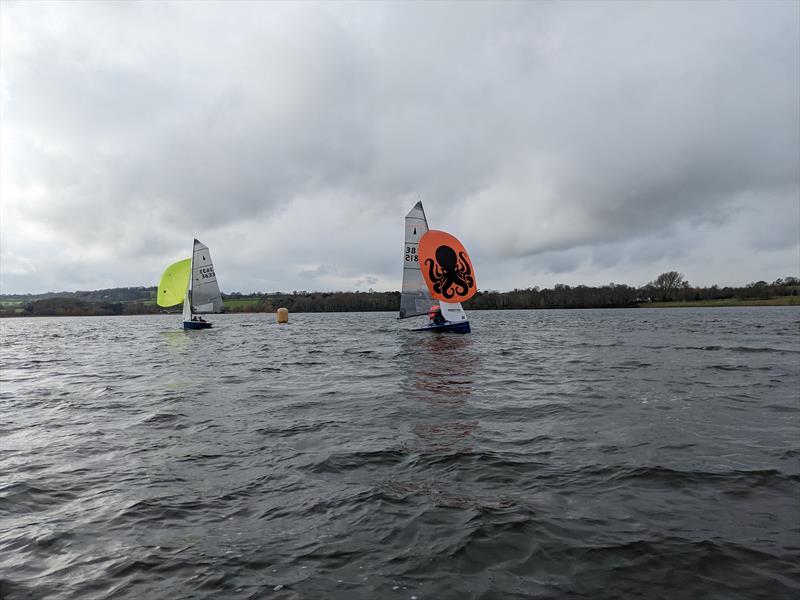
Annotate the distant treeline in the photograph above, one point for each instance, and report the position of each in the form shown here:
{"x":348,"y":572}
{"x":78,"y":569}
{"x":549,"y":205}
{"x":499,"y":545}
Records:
{"x":667,"y":287}
{"x":673,"y":288}
{"x":123,"y":294}
{"x":69,"y":306}
{"x":313,"y":302}
{"x":113,"y":301}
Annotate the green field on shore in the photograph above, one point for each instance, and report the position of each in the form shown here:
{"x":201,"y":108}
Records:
{"x":241,"y":303}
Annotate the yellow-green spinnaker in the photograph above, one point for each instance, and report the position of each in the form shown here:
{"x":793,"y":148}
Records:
{"x":174,"y":283}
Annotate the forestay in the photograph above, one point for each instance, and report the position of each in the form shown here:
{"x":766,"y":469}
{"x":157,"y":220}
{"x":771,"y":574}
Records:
{"x":205,"y":293}
{"x":415,"y":299}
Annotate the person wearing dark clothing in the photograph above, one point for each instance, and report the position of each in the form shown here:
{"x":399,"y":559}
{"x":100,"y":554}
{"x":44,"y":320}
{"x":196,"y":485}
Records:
{"x":436,"y":316}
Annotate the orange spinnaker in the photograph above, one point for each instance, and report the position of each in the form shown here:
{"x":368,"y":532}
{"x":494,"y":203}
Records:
{"x":446,"y":267}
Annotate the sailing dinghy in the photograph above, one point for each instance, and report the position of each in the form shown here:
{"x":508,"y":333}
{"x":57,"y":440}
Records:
{"x":193,"y":282}
{"x":436,"y":272}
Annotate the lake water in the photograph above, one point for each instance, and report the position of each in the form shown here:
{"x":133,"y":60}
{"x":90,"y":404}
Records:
{"x":549,"y":454}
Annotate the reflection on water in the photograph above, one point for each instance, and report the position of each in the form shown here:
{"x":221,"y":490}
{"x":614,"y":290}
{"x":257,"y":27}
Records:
{"x":185,"y":351}
{"x":442,"y":367}
{"x":440,"y":437}
{"x":176,"y":341}
{"x":441,"y":374}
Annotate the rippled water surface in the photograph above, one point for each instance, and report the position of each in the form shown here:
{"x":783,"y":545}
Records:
{"x":549,"y":454}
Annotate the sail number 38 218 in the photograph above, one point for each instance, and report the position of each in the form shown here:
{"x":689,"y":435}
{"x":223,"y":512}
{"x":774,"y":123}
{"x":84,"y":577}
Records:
{"x":411,"y":254}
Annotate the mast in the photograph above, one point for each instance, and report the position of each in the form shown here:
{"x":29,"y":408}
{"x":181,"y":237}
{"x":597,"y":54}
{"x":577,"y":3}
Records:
{"x":188,"y":314}
{"x":191,"y":278}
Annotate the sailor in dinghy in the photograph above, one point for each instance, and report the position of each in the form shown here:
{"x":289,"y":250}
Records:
{"x":436,"y":316}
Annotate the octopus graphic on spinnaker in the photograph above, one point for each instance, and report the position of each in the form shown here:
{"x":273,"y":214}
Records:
{"x":446,"y":267}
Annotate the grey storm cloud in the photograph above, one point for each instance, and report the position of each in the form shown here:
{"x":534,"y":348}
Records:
{"x":572,"y":141}
{"x":316,"y":272}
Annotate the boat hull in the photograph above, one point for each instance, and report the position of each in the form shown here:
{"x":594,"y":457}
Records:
{"x":196,"y":325}
{"x":460,"y":327}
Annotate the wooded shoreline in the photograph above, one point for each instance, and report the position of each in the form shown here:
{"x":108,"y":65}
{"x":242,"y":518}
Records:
{"x":781,"y":301}
{"x":668,"y":291}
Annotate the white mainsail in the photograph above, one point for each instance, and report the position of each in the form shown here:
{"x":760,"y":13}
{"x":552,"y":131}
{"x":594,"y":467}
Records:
{"x":203,"y":288}
{"x":415,"y":299}
{"x":187,"y":306}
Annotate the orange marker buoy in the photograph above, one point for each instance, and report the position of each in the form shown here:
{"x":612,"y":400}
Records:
{"x":446,"y":267}
{"x":282,"y":315}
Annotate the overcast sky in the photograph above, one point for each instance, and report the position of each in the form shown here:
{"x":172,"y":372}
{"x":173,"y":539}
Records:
{"x":560,"y":142}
